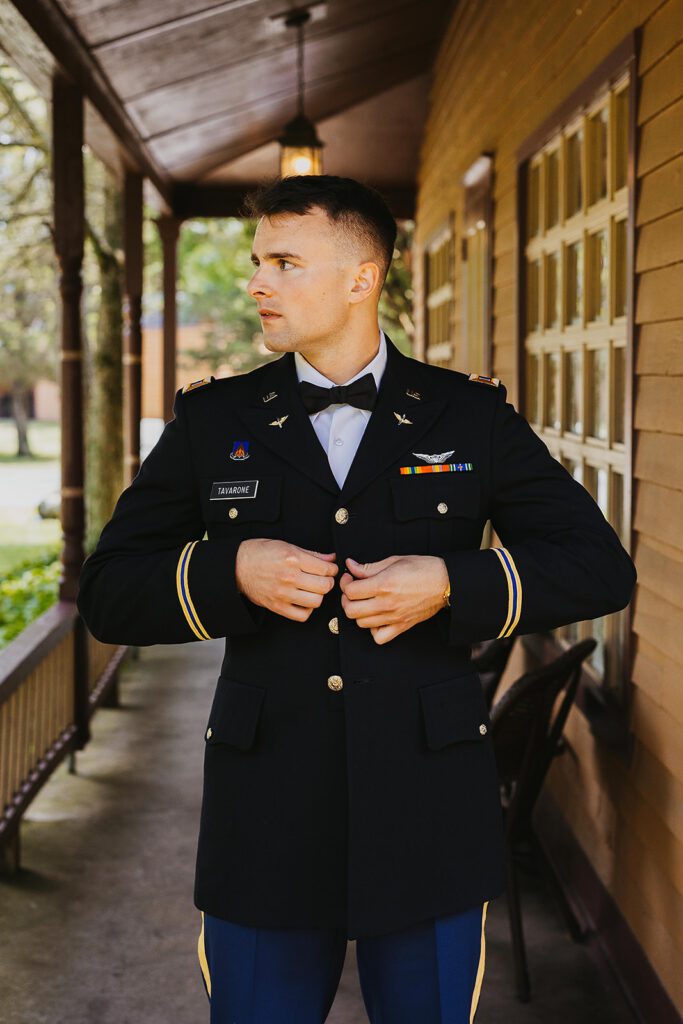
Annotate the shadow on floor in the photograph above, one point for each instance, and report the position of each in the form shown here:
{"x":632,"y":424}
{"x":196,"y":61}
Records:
{"x":100,"y":927}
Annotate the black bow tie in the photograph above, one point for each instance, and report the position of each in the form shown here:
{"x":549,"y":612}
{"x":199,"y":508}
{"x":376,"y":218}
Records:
{"x":362,"y":393}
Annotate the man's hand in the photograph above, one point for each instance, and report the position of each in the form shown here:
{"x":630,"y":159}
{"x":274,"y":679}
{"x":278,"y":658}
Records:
{"x":283,"y":577}
{"x":394,"y":594}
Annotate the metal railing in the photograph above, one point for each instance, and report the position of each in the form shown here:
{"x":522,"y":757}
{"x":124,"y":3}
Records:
{"x":53,"y":676}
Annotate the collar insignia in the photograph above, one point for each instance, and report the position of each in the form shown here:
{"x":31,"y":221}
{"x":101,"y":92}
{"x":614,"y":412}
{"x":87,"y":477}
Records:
{"x":402,"y":418}
{"x":279,"y":421}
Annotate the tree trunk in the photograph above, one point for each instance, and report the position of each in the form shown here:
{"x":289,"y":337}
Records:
{"x":104,"y":443}
{"x":20,"y":415}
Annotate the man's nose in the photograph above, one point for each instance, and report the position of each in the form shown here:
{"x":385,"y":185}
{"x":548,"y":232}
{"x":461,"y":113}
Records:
{"x":257,"y":285}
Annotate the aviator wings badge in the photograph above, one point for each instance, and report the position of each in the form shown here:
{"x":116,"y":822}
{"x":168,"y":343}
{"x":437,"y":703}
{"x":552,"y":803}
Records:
{"x":402,"y":418}
{"x":433,"y":458}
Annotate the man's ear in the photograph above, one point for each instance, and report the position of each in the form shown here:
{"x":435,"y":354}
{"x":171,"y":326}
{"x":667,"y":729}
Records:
{"x":365,"y":281}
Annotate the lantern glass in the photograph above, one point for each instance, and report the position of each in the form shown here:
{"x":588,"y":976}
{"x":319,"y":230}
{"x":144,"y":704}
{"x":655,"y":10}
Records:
{"x":300,"y":160}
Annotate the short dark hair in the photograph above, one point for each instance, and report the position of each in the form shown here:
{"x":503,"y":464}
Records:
{"x":359,"y":209}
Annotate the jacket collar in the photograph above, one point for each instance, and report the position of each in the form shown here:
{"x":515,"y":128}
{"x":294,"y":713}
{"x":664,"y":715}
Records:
{"x":405,"y":409}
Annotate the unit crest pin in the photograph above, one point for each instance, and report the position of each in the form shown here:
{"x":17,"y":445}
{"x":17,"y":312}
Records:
{"x":240,"y":451}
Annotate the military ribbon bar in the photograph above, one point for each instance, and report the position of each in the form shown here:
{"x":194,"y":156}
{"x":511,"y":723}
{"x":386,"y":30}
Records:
{"x":439,"y":467}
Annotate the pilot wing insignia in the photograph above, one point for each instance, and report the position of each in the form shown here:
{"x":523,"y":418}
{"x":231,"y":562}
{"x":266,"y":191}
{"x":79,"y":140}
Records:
{"x":433,"y":458}
{"x":279,"y":421}
{"x":402,"y":418}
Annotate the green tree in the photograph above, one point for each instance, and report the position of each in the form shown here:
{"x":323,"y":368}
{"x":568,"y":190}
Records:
{"x":27,"y":265}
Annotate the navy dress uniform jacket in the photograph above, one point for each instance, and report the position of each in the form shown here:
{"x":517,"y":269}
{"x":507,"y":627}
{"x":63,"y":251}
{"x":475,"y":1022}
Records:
{"x":349,"y":784}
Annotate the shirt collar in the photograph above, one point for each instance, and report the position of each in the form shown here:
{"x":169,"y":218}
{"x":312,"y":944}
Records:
{"x":306,"y":371}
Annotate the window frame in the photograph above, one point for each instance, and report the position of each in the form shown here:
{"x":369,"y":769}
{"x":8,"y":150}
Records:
{"x":477,"y":185}
{"x":607,"y":711}
{"x":440,"y":353}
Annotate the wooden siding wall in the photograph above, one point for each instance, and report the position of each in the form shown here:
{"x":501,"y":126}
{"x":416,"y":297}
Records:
{"x":501,"y":70}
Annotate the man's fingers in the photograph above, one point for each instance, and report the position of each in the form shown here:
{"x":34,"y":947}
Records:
{"x":305,"y":598}
{"x":365,"y":569}
{"x":314,"y":583}
{"x":382,"y":634}
{"x":316,"y":562}
{"x":356,"y":590}
{"x":358,"y":609}
{"x":293,"y":611}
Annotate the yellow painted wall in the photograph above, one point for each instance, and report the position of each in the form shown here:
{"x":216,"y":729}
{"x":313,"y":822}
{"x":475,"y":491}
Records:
{"x":501,"y":70}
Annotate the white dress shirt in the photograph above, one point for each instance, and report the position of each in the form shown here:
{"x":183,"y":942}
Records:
{"x":340,"y":427}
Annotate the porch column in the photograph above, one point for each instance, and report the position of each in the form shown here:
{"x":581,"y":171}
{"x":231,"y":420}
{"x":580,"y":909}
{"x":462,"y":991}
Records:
{"x":169,"y":228}
{"x":67,"y":173}
{"x":132,"y":328}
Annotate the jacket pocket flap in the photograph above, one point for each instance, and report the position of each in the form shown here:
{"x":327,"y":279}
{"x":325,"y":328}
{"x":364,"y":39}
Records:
{"x":234,"y":713}
{"x":436,"y":496}
{"x":232,"y":500}
{"x":454,"y":711}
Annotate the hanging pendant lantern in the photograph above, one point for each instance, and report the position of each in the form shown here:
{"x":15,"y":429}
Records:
{"x":300,"y":147}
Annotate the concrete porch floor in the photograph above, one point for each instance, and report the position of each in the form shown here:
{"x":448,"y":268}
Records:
{"x":100,"y":928}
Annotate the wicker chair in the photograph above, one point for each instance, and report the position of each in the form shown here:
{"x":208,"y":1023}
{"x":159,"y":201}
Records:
{"x":526,"y":738}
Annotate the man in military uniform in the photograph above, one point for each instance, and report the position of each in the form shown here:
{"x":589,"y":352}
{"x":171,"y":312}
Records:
{"x":350,"y":785}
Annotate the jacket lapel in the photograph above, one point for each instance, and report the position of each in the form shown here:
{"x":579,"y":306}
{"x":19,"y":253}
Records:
{"x":385,"y":437}
{"x":295,"y":440}
{"x":396,"y":423}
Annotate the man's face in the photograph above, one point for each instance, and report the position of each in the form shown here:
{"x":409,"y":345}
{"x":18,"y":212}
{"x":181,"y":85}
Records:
{"x":304,"y":274}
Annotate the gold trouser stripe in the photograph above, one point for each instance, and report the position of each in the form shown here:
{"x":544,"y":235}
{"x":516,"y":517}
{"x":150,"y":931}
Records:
{"x":183,"y":588}
{"x":203,"y":962}
{"x":514,"y":584}
{"x":482,"y":964}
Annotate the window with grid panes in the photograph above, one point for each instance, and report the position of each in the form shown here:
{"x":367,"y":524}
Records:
{"x":438,"y":275}
{"x":576,"y":329}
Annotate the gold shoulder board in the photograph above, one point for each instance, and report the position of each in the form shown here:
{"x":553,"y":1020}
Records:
{"x":480,"y":378}
{"x":196,"y":384}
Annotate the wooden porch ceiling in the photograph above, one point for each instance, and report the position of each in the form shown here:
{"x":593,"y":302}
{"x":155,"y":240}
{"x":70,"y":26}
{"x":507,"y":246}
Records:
{"x":203,"y":89}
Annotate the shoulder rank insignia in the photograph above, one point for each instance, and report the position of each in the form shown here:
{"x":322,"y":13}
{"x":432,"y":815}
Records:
{"x":197,"y":384}
{"x":480,"y":378}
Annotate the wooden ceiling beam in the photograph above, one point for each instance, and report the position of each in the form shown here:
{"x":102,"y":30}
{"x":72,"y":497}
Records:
{"x":61,"y":38}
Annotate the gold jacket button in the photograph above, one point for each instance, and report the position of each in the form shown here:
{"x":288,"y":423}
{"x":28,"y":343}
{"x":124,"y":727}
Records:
{"x":442,"y":507}
{"x":232,"y":512}
{"x":334,"y":625}
{"x":482,"y":729}
{"x":209,"y":733}
{"x":335,"y":682}
{"x":341,"y":515}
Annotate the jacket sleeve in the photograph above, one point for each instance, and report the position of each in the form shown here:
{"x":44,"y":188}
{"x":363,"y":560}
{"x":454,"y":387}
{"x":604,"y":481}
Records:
{"x":151,"y":579}
{"x":560,"y":560}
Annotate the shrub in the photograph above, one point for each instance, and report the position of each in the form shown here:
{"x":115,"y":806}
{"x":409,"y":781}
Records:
{"x":29,"y":590}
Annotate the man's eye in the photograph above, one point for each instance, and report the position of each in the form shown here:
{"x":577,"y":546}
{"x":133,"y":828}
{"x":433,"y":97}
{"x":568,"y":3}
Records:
{"x":286,"y":261}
